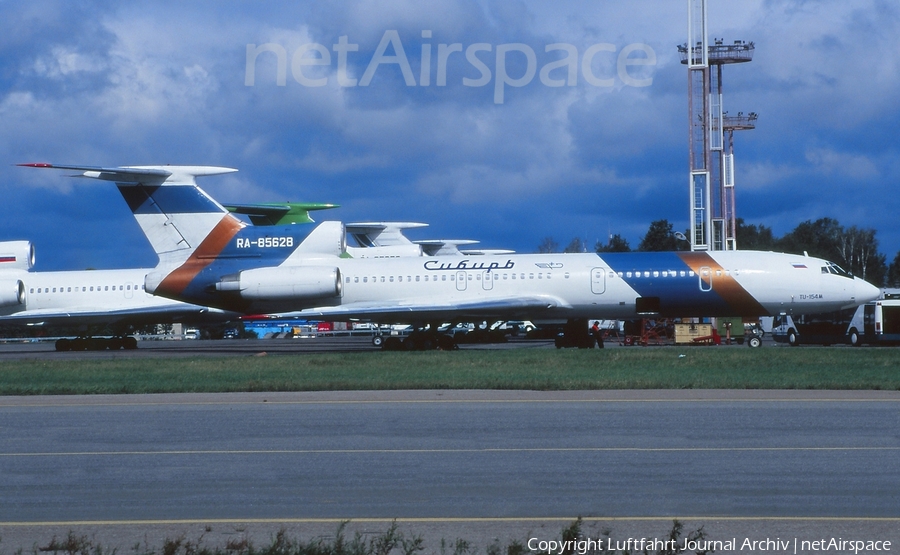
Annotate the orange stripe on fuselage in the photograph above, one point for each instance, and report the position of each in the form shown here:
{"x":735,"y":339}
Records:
{"x":204,"y":255}
{"x":723,"y":284}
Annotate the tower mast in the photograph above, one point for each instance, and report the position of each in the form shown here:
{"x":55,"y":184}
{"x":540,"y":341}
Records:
{"x":711,"y":185}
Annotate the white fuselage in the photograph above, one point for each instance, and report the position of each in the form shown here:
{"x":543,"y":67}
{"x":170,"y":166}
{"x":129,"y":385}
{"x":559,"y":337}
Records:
{"x":613,"y":286}
{"x":88,"y":296}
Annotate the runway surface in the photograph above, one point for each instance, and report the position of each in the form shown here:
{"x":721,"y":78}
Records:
{"x":479,"y":461}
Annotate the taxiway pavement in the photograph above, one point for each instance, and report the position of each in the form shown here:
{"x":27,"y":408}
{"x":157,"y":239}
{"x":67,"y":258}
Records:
{"x":496,"y":464}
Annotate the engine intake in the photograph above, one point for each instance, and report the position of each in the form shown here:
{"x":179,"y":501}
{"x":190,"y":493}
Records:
{"x":284,"y":283}
{"x":12,"y":292}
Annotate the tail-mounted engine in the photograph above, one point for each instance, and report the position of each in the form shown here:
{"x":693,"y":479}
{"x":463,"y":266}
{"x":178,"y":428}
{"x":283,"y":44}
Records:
{"x":12,"y":292}
{"x":16,"y":255}
{"x":284,"y":283}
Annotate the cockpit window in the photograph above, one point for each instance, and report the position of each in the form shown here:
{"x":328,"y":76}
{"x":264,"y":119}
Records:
{"x":834,"y":269}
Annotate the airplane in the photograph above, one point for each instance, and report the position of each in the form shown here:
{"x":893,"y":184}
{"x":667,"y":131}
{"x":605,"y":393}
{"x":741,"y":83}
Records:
{"x":208,"y":257}
{"x":386,"y":240}
{"x":92,"y":301}
{"x":89,"y":300}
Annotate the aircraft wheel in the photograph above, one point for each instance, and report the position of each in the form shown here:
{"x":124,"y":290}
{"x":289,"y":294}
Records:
{"x":426,"y":344}
{"x":392,"y":344}
{"x":793,"y":339}
{"x":410,"y":344}
{"x":378,"y":340}
{"x":754,"y":342}
{"x":854,"y":338}
{"x":446,"y":343}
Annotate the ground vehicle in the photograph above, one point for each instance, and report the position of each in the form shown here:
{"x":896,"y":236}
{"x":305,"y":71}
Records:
{"x":876,"y":323}
{"x":513,"y":327}
{"x":830,"y":328}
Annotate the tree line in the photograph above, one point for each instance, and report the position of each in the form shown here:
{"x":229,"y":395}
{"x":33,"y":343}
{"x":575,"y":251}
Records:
{"x":853,"y":248}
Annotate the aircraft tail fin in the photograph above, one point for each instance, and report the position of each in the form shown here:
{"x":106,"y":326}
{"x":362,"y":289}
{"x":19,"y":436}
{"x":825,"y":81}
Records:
{"x":328,"y":239}
{"x":175,"y":214}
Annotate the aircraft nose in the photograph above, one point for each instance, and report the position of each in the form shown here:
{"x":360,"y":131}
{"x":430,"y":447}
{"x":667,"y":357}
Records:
{"x":865,"y":291}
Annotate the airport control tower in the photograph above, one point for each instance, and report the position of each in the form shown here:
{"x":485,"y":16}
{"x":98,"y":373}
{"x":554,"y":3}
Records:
{"x":711,"y":159}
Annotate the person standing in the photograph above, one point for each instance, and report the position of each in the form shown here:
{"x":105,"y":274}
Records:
{"x":597,"y":333}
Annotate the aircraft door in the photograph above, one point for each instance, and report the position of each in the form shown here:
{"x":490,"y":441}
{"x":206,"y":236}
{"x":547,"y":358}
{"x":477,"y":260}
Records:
{"x":487,"y":280}
{"x":706,"y":276}
{"x":460,"y":281}
{"x":598,"y":281}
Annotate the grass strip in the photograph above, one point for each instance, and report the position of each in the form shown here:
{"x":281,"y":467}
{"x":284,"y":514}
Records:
{"x":527,"y":369}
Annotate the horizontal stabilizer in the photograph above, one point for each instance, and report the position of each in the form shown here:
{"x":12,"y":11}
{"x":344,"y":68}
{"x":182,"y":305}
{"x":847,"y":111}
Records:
{"x":381,"y":234}
{"x":443,"y":247}
{"x":279,"y":213}
{"x":175,"y":175}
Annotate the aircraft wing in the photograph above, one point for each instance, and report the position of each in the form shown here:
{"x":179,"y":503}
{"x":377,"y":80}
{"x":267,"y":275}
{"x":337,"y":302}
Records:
{"x":426,"y":309}
{"x":96,"y":316}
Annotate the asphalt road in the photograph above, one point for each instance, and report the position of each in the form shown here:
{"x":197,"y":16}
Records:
{"x":747,"y":459}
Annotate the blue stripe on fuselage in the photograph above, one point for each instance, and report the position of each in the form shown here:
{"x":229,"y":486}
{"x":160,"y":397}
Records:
{"x":167,"y":199}
{"x":679,"y":295}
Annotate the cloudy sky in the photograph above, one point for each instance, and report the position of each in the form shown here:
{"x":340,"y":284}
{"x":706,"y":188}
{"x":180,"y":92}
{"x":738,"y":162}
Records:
{"x":463,"y":113}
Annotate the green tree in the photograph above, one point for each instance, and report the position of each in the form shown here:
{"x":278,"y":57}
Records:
{"x":859,"y":254}
{"x":752,"y":237}
{"x":854,"y":249}
{"x":659,"y":237}
{"x":576,"y":245}
{"x":616,"y":243}
{"x":893,"y":275}
{"x":548,"y":245}
{"x":819,"y":238}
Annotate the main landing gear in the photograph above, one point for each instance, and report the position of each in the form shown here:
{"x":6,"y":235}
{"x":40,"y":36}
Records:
{"x":575,"y":334}
{"x":422,"y":339}
{"x":97,"y":344}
